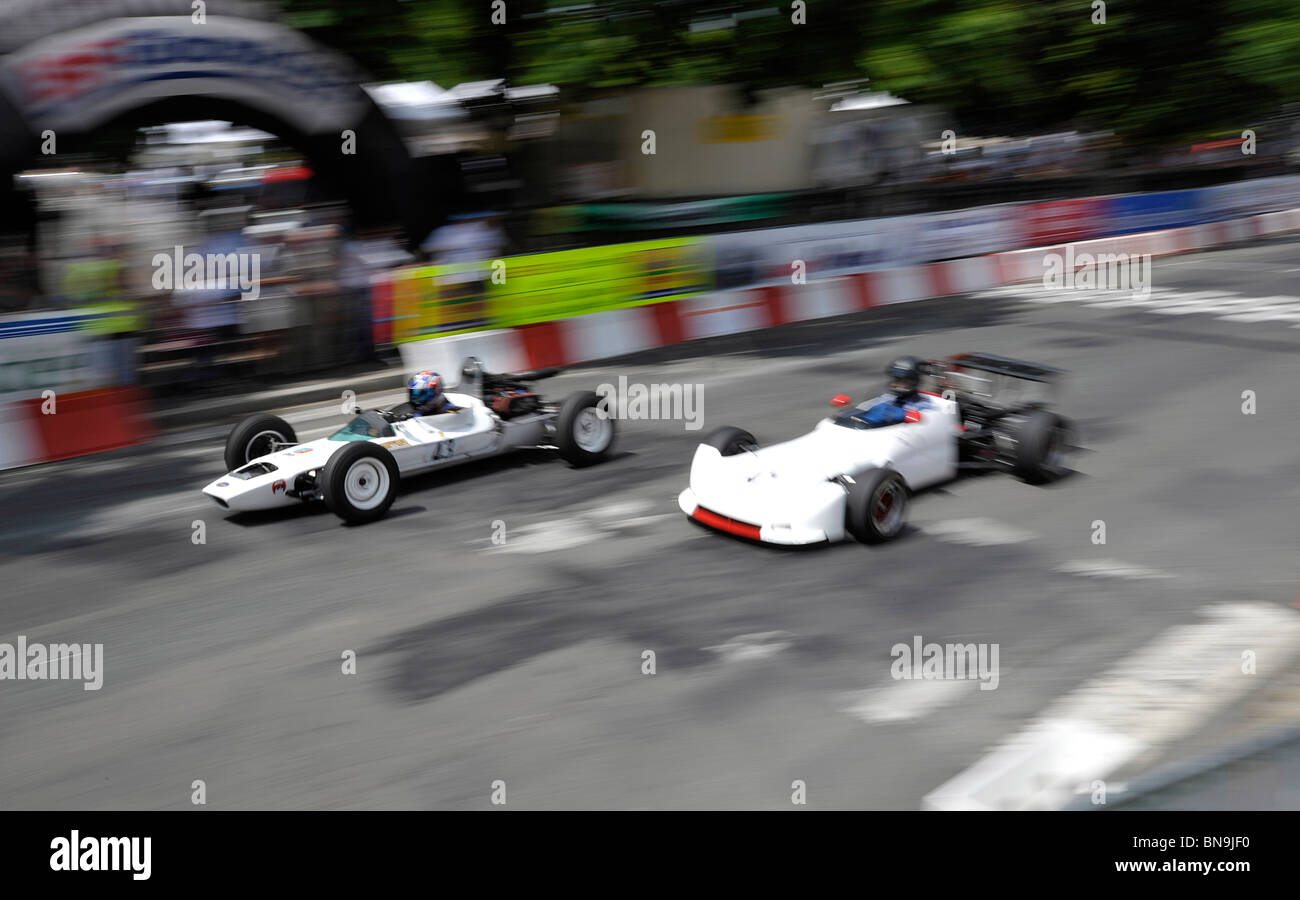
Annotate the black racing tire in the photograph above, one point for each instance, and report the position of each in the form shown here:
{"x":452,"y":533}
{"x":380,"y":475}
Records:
{"x":584,"y":432}
{"x":875,"y":510}
{"x":729,"y":440}
{"x":252,"y":438}
{"x":359,"y":482}
{"x":1042,"y":442}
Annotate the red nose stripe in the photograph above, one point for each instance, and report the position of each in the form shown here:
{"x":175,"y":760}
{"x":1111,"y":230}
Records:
{"x":722,"y":523}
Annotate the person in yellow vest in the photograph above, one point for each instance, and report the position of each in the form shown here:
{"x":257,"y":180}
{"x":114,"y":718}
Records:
{"x":112,"y":316}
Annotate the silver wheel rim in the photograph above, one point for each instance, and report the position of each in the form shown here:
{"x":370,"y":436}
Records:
{"x":591,"y":431}
{"x":366,"y":483}
{"x":887,"y":504}
{"x":267,"y":437}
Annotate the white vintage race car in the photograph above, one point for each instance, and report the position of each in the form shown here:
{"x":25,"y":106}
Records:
{"x":356,"y":470}
{"x":852,"y":477}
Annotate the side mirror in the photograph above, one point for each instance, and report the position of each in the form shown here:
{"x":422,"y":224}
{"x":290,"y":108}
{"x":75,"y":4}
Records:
{"x":912,"y":415}
{"x":841,"y":400}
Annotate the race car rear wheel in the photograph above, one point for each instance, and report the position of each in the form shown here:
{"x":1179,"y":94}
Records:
{"x":584,"y":432}
{"x":1042,"y":442}
{"x":729,"y":440}
{"x":256,"y":436}
{"x":875,"y":510}
{"x":360,"y":482}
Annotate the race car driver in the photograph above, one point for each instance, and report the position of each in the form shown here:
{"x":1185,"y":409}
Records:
{"x":424,"y":391}
{"x":904,"y":395}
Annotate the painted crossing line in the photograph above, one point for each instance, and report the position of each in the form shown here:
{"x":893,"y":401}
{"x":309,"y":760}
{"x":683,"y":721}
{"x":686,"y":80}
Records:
{"x":1226,"y":306}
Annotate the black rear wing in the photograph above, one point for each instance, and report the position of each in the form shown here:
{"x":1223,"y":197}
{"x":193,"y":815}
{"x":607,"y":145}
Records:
{"x":997,"y":365}
{"x":997,"y":381}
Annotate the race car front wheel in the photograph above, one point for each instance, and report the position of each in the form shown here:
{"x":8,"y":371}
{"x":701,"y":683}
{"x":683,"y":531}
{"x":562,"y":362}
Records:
{"x":360,"y":482}
{"x":257,"y":436}
{"x":729,"y":440}
{"x":584,"y":432}
{"x":875,"y":510}
{"x":1042,"y":443}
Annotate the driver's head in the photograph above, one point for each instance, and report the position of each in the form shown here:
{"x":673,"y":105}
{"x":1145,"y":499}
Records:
{"x":904,"y":376}
{"x":425,"y":391}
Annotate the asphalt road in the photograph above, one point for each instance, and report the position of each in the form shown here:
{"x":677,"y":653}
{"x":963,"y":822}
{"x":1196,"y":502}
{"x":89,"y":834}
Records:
{"x":522,"y":662}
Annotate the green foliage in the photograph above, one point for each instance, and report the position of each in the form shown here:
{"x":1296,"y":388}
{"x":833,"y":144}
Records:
{"x":1154,"y":72}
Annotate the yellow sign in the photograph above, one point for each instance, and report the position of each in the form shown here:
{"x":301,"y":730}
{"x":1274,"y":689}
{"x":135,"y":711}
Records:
{"x":736,"y":129}
{"x":429,"y":301}
{"x":434,"y":300}
{"x":547,"y":286}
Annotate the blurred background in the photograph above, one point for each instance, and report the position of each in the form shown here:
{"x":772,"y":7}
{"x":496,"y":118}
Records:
{"x":571,"y":126}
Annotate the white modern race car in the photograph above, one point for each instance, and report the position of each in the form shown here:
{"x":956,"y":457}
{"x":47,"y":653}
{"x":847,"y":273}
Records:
{"x":356,"y":470}
{"x":852,"y":477}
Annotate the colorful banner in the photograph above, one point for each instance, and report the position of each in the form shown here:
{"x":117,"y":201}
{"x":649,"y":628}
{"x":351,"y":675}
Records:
{"x":430,"y":301}
{"x":542,"y":287}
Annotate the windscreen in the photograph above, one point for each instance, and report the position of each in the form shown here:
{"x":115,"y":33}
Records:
{"x":364,"y":427}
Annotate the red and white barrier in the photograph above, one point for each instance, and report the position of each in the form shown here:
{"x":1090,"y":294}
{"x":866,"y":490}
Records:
{"x":73,"y":424}
{"x":92,"y":421}
{"x":618,"y":332}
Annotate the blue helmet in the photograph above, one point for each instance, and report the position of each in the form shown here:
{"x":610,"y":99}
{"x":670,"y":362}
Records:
{"x":425,"y":390}
{"x":904,"y":376}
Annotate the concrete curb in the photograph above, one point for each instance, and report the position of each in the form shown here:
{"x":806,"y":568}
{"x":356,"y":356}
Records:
{"x":1193,"y":767}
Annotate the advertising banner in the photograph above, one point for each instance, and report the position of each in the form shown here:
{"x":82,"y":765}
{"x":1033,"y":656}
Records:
{"x":427,"y":301}
{"x":543,"y":287}
{"x":1247,"y":198}
{"x":1061,"y":221}
{"x":1150,"y":212}
{"x":769,"y":256}
{"x":970,"y":232}
{"x":47,"y":351}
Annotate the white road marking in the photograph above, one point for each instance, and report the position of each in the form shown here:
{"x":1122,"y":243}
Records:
{"x":1147,"y":700}
{"x":979,"y":532}
{"x":1185,"y":304}
{"x":548,"y":537}
{"x":758,"y":645}
{"x":906,"y":699}
{"x":1118,"y":299}
{"x":621,"y":509}
{"x":1267,"y":309}
{"x":1230,"y":306}
{"x":1110,"y":568}
{"x":638,"y":521}
{"x":582,"y":526}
